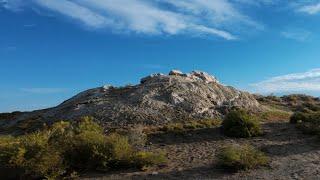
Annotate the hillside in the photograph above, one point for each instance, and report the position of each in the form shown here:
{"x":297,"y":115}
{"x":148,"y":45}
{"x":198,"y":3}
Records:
{"x":159,"y":99}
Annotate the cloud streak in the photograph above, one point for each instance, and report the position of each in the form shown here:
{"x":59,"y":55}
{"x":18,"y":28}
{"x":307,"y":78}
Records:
{"x":310,"y":9}
{"x":217,"y":18}
{"x":306,"y":81}
{"x":300,"y":35}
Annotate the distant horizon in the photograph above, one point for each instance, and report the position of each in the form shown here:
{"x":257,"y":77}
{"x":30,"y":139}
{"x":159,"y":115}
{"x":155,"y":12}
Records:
{"x":52,"y":50}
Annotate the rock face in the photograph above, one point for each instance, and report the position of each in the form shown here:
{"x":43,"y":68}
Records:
{"x":158,"y":99}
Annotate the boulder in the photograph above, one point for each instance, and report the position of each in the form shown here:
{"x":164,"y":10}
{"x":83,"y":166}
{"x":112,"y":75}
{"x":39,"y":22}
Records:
{"x":175,"y":73}
{"x":205,"y":77}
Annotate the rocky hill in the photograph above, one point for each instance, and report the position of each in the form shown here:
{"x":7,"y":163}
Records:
{"x":158,"y":99}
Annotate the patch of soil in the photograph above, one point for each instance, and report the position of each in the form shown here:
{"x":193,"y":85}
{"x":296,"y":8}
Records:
{"x":191,"y":155}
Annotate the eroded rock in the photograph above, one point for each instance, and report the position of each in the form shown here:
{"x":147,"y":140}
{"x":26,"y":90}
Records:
{"x":158,"y":99}
{"x":175,"y":73}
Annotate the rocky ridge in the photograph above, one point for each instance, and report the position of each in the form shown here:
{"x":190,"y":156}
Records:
{"x":158,"y":99}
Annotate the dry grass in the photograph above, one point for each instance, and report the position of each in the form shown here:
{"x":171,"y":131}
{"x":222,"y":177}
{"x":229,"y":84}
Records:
{"x":274,"y":115}
{"x":190,"y":125}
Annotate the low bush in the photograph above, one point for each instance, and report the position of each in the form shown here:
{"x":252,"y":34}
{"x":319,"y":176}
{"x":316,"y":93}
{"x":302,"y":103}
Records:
{"x":190,"y":125}
{"x":144,"y":159}
{"x":298,"y":116}
{"x":308,"y":123}
{"x":65,"y":148}
{"x":241,"y":124}
{"x":236,"y":157}
{"x":31,"y":156}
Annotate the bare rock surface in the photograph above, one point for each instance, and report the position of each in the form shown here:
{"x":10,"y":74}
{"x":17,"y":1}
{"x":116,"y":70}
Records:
{"x":158,"y":99}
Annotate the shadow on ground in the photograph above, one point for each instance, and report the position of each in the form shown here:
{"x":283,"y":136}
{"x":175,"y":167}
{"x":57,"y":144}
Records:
{"x":190,"y":136}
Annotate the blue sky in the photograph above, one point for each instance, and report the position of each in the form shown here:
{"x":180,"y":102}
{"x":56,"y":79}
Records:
{"x":52,"y":49}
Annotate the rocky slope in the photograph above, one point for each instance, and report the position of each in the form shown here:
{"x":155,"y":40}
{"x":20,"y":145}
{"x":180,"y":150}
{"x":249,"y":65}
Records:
{"x":158,"y":99}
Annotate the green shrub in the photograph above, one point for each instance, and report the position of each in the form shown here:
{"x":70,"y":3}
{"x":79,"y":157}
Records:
{"x":145,"y":159}
{"x":310,"y":123}
{"x":31,"y":156}
{"x":298,"y":116}
{"x":9,"y":152}
{"x":240,"y":124}
{"x":236,"y":157}
{"x":65,"y":148}
{"x":86,"y":151}
{"x":87,"y":124}
{"x":120,"y":150}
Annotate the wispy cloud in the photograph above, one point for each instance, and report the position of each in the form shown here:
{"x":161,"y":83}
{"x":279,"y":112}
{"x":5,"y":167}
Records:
{"x":310,"y":9}
{"x":258,"y":2}
{"x":306,"y":81}
{"x":43,"y":90}
{"x":218,"y":18}
{"x":29,"y":25}
{"x":13,"y":5}
{"x":296,"y":34}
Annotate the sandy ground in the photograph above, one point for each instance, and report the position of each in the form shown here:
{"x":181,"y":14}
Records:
{"x":192,"y":155}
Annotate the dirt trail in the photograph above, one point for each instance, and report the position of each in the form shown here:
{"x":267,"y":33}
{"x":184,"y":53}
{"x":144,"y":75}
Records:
{"x":191,"y":155}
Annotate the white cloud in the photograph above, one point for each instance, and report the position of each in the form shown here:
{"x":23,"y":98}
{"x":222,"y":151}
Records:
{"x":258,"y":2}
{"x":221,"y":13}
{"x":73,"y":10}
{"x":214,"y":31}
{"x":219,"y":18}
{"x":13,"y":5}
{"x":310,"y":9}
{"x":306,"y":81}
{"x":296,"y":34}
{"x":43,"y":90}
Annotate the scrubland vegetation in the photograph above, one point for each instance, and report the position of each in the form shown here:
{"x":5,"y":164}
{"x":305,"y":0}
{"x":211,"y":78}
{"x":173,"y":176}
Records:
{"x":306,"y":110}
{"x":65,"y":148}
{"x":241,"y":157}
{"x":294,"y":102}
{"x":308,"y":123}
{"x":241,"y":124}
{"x":180,"y":127}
